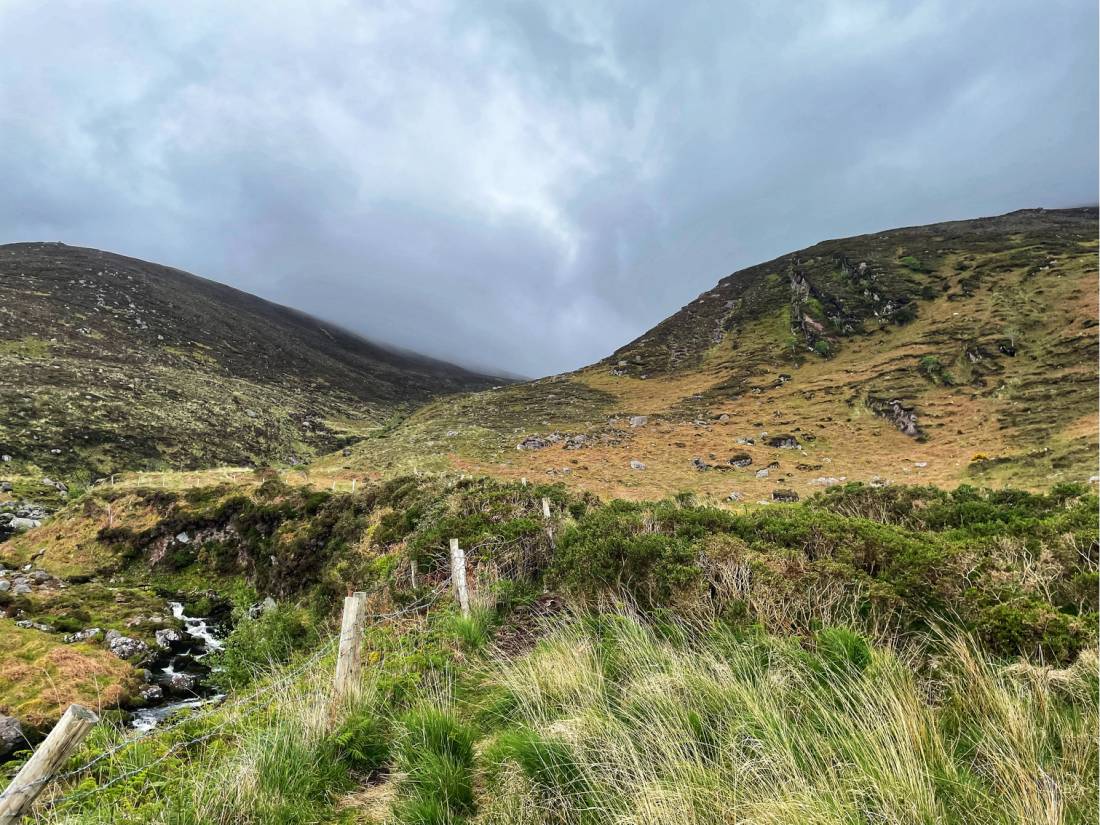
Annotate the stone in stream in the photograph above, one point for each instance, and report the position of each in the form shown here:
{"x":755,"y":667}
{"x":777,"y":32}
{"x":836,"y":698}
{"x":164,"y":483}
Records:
{"x":125,"y":647}
{"x":167,"y":637}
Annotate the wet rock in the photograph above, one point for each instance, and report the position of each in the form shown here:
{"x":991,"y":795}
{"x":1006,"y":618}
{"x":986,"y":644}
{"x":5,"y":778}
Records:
{"x":11,"y":735}
{"x":740,"y":460}
{"x":167,"y":637}
{"x":184,"y":683}
{"x":125,"y":647}
{"x":784,"y":495}
{"x":88,"y":634}
{"x":151,"y":693}
{"x":636,"y":465}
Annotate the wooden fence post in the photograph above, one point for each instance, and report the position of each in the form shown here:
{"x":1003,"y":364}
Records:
{"x":546,"y":518}
{"x":523,"y":481}
{"x":47,"y":759}
{"x":412,"y":573}
{"x":458,"y":576}
{"x":350,"y":658}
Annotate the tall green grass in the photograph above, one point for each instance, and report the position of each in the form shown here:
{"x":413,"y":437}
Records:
{"x":609,"y":720}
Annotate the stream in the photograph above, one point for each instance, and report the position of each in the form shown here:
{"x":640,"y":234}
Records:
{"x":180,"y":672}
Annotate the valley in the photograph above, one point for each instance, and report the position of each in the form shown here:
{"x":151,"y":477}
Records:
{"x":821,"y":546}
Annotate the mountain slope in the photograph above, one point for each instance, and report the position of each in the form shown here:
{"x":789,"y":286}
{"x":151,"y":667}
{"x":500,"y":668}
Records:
{"x":112,"y":363}
{"x":962,"y":351}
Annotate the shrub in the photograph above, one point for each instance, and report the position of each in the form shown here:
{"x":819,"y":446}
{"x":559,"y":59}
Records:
{"x":611,"y":551}
{"x":255,"y":645}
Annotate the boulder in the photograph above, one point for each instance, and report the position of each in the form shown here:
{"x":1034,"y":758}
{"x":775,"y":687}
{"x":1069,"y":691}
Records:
{"x":786,"y":442}
{"x":740,"y":460}
{"x":20,"y":523}
{"x":167,"y":637}
{"x":735,"y":496}
{"x":762,"y":473}
{"x":11,"y":736}
{"x":636,"y":465}
{"x":784,"y":495}
{"x":184,"y":683}
{"x":125,"y":647}
{"x":638,"y":420}
{"x":151,"y":693}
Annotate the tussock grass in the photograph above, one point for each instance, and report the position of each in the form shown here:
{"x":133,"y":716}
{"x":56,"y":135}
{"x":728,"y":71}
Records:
{"x":614,"y":721}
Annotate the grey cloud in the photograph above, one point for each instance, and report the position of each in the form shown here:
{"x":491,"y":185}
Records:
{"x":525,"y":186}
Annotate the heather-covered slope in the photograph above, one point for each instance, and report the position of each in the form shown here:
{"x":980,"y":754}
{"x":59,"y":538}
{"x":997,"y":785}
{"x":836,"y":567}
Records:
{"x":943,"y":353}
{"x":111,"y":363}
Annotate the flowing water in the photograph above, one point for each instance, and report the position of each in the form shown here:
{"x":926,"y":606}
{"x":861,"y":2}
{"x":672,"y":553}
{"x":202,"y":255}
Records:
{"x":180,"y":671}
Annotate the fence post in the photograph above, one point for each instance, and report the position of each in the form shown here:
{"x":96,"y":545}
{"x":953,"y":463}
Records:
{"x":546,"y":518}
{"x":412,"y":573}
{"x":458,"y":576}
{"x":47,"y":759}
{"x":523,"y":481}
{"x":349,"y":658}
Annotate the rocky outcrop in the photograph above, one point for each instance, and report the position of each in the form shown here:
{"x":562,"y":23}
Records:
{"x":125,"y":647}
{"x":900,"y":415}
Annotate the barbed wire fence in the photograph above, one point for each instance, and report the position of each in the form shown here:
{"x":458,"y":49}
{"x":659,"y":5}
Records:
{"x":20,"y":795}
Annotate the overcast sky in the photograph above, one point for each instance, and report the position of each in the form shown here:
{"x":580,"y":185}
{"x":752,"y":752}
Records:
{"x":527,"y":186}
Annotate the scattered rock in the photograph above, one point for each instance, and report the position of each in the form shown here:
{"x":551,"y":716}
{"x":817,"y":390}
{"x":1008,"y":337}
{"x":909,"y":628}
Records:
{"x":27,"y":624}
{"x":762,"y":473}
{"x":151,"y":693}
{"x":920,"y":463}
{"x":19,"y":524}
{"x":6,"y":487}
{"x":740,"y":460}
{"x":638,"y":420}
{"x":735,"y":496}
{"x":88,"y":634}
{"x":878,"y":481}
{"x":5,"y":585}
{"x":784,"y":495}
{"x":183,"y":538}
{"x":826,"y":481}
{"x":746,"y":441}
{"x":901,"y":416}
{"x":786,"y":442}
{"x":699,"y":464}
{"x":723,"y":418}
{"x":636,"y":465}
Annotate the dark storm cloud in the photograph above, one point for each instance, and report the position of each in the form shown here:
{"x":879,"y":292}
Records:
{"x":526,"y":186}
